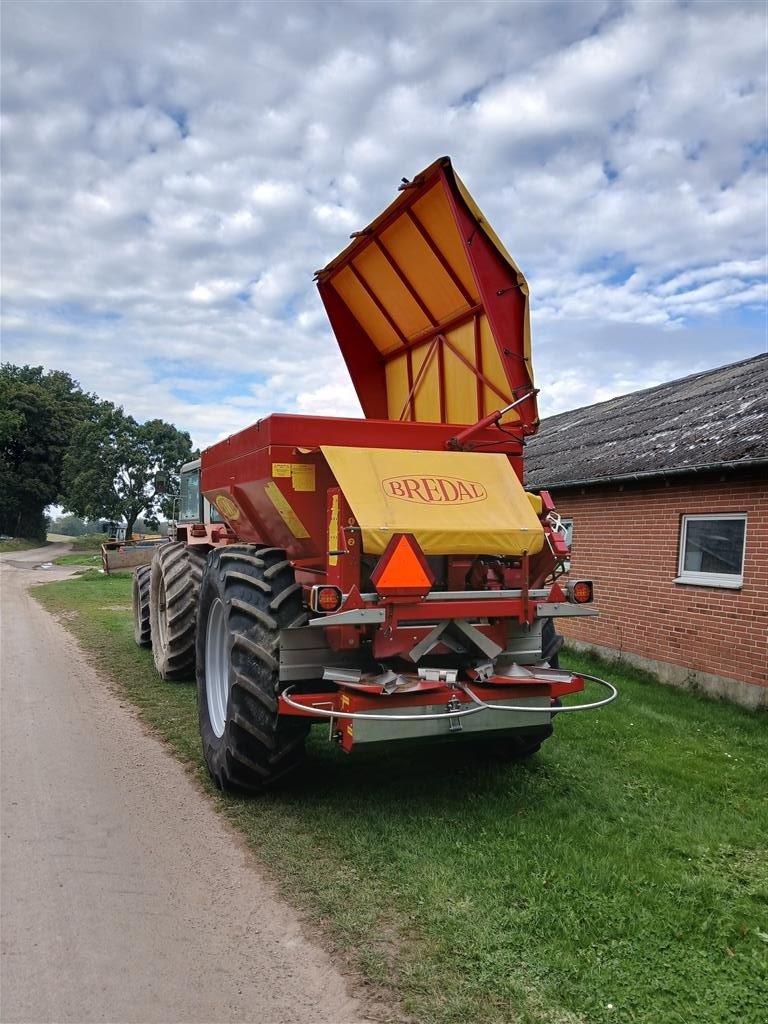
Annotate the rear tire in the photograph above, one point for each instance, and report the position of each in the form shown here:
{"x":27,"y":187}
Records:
{"x":174,"y":587}
{"x":528,"y":743}
{"x":248,"y":594}
{"x":520,"y":748}
{"x":551,"y":644}
{"x":142,"y":628}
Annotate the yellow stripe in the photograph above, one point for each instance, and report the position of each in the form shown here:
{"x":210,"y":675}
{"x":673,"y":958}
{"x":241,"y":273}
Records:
{"x":285,"y":511}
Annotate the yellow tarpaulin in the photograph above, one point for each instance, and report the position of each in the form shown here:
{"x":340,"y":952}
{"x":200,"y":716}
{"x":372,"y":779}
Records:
{"x":454,"y":503}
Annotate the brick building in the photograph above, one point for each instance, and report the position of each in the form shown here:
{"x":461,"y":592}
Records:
{"x":666,"y":494}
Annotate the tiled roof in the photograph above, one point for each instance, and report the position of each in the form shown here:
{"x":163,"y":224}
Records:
{"x":718,"y":418}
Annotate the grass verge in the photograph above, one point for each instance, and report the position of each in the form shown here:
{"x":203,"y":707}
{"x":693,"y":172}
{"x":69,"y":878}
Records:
{"x":81,"y":558}
{"x":89,"y":542}
{"x":621,"y":875}
{"x":20,"y":544}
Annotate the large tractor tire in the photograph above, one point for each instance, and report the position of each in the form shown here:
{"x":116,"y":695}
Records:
{"x":142,"y":628}
{"x":248,"y":594}
{"x":173,"y":590}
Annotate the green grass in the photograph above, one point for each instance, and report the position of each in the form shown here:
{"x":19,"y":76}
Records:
{"x":89,"y":542}
{"x":20,"y":544}
{"x":90,"y":561}
{"x":621,"y":875}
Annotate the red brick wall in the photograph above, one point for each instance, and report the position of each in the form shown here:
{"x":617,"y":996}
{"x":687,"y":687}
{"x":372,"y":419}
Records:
{"x":627,"y":541}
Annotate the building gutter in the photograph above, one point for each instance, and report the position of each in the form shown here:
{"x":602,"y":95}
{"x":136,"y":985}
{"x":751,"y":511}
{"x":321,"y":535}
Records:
{"x":649,"y":474}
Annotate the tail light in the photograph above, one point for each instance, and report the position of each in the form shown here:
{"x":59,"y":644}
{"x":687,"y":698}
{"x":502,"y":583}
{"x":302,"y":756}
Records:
{"x":580,"y":591}
{"x":325,"y":599}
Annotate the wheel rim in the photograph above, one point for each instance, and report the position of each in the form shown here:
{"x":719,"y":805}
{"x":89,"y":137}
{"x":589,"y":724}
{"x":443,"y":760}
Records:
{"x":217,"y":667}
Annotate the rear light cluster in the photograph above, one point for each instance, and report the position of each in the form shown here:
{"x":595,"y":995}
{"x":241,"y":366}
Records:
{"x":580,"y":591}
{"x":325,"y":599}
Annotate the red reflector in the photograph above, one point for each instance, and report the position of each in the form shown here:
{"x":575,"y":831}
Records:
{"x":403,"y":569}
{"x":197,"y":530}
{"x":581,"y":592}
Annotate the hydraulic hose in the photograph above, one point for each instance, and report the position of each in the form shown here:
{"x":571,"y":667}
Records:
{"x":566,"y":707}
{"x":478,"y":705}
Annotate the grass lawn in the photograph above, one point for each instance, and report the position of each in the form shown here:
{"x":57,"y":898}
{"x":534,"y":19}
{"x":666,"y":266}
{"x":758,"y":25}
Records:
{"x":621,"y":875}
{"x":20,"y":544}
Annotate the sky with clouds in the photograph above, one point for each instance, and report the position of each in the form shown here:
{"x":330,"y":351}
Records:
{"x":174,"y":173}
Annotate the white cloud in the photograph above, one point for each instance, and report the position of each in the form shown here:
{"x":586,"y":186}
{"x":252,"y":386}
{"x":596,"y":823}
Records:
{"x":174,"y":173}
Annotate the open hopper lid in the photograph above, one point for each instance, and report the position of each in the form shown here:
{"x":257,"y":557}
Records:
{"x":431,"y":312}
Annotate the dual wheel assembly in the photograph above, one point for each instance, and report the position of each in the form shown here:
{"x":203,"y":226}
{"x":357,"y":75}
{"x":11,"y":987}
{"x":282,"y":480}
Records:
{"x":218,"y":616}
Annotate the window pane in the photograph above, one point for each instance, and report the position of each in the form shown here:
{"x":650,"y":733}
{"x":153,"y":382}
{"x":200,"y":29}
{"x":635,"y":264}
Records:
{"x":189,"y":504}
{"x":714,"y":545}
{"x":568,"y":524}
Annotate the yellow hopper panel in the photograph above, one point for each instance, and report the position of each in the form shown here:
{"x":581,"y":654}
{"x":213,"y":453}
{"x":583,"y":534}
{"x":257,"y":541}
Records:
{"x":454,"y":503}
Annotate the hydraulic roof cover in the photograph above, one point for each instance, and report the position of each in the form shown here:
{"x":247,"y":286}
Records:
{"x":431,"y":312}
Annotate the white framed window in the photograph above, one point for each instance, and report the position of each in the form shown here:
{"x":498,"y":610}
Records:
{"x":712,"y":550}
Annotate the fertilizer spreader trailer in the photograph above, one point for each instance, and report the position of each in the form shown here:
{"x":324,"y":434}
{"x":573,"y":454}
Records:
{"x":388,"y":576}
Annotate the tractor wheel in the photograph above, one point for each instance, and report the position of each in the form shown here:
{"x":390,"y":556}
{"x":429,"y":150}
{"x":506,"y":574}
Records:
{"x":174,"y":586}
{"x":247,"y":596}
{"x":142,"y":630}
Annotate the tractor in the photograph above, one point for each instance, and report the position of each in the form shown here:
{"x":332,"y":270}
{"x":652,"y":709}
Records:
{"x":389,"y":576}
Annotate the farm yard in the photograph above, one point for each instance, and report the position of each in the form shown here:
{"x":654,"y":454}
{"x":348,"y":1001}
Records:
{"x":620,"y":875}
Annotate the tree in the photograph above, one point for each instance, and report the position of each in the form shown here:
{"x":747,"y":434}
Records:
{"x":110,"y":469}
{"x":38,"y":414}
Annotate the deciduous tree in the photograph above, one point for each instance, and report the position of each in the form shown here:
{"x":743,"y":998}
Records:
{"x":112,"y":465}
{"x":38,"y":414}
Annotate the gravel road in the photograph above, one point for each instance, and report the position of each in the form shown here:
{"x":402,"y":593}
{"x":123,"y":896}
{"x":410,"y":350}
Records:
{"x":125,"y":897}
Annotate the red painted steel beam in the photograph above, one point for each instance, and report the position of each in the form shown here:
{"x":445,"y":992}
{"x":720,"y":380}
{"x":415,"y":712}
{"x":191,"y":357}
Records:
{"x":441,"y":388}
{"x":448,"y":325}
{"x":478,"y":368}
{"x":382,"y":223}
{"x":419,"y":375}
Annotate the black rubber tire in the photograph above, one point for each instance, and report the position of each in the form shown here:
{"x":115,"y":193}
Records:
{"x":174,"y":587}
{"x":551,"y":643}
{"x":142,"y":629}
{"x":526,"y":743}
{"x":260,"y":596}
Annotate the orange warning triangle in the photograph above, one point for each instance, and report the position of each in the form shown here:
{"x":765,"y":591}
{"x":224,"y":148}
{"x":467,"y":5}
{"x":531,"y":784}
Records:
{"x":402,"y":568}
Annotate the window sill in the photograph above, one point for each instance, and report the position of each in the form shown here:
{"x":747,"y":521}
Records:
{"x":724,"y":582}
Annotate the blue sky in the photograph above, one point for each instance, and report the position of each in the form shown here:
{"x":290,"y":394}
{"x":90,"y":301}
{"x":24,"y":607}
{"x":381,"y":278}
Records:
{"x":174,"y":173}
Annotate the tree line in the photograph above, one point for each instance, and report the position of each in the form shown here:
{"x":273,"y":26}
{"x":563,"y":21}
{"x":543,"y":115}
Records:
{"x":62,"y":445}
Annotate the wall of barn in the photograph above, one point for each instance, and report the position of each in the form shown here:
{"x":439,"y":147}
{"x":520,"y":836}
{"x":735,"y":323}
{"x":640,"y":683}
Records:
{"x":627,"y":539}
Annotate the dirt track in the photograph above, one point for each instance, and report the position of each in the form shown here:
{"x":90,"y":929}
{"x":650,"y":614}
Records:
{"x":125,"y":897}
